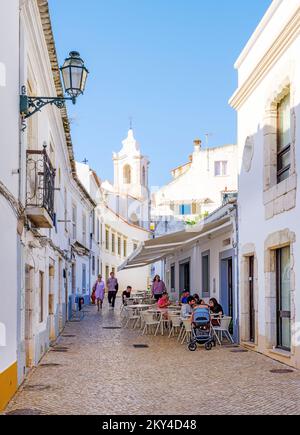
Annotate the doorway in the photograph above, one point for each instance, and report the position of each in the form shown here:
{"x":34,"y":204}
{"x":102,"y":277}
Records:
{"x":74,"y":279}
{"x":66,"y":283}
{"x":252,"y":331}
{"x":227,"y":286}
{"x":29,"y":304}
{"x":283,"y":285}
{"x":52,"y":329}
{"x":228,"y":297}
{"x":185,"y":276}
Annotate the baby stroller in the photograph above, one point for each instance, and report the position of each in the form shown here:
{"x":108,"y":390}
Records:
{"x":202,"y":333}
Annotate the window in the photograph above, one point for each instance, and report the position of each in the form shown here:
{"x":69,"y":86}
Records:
{"x":74,"y":221}
{"x":221,"y":169}
{"x":119,"y":246}
{"x":98,"y":266}
{"x":206,"y":274}
{"x":125,"y":248}
{"x":113,"y":270}
{"x":283,"y":269}
{"x":127,"y":174}
{"x":185,"y":209}
{"x":93,"y":265}
{"x":173,"y":278}
{"x":98,"y":231}
{"x":84,"y":289}
{"x":106,"y":273}
{"x":73,"y":279}
{"x":41,"y":297}
{"x":113,"y":243}
{"x":84,"y":228}
{"x":144,"y":177}
{"x":107,"y":239}
{"x":66,"y":209}
{"x":283,"y":139}
{"x":93,"y":223}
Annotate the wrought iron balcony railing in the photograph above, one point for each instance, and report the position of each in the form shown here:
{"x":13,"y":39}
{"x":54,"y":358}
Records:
{"x":40,"y":186}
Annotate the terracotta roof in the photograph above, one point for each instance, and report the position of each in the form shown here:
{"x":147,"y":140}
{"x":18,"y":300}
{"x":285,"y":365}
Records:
{"x":49,"y":38}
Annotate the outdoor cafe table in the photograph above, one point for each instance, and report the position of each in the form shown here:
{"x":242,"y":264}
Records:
{"x":136,"y":298}
{"x":139,"y":307}
{"x":161,"y":312}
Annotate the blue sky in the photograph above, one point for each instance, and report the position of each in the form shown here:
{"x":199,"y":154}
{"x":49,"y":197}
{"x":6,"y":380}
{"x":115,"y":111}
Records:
{"x":166,"y":63}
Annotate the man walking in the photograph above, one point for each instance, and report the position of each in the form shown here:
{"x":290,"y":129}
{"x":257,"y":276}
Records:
{"x":112,"y":287}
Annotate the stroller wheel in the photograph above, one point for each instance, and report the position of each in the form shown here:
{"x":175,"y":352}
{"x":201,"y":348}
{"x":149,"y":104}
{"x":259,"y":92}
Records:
{"x":193,"y":347}
{"x":214,"y":342}
{"x":208,"y":346}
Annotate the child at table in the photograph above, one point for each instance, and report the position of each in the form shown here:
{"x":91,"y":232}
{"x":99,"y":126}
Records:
{"x":164,"y":301}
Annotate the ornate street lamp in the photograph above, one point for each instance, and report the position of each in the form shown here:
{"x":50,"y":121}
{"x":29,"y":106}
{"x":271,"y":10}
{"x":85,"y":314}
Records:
{"x":74,"y":74}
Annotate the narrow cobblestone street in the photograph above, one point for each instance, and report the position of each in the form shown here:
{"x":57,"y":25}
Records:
{"x":98,"y":371}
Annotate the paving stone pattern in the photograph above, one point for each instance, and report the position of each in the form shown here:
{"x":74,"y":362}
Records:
{"x":99,"y":371}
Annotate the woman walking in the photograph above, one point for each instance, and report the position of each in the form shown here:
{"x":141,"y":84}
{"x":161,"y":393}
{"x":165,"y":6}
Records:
{"x":158,"y":288}
{"x":99,"y":288}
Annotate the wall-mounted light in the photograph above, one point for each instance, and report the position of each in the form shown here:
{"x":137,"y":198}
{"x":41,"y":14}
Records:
{"x":74,"y":74}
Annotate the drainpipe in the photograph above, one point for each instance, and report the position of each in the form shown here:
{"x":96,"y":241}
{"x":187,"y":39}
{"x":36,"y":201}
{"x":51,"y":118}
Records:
{"x":235,"y":217}
{"x":21,"y":358}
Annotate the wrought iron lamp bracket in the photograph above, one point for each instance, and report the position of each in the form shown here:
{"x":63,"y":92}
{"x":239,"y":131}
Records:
{"x":31,"y":105}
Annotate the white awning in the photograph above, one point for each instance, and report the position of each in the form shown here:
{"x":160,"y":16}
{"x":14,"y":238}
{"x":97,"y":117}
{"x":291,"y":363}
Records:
{"x":157,"y":249}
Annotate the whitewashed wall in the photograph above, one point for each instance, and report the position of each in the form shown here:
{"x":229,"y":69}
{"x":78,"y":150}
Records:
{"x":254,"y":227}
{"x":9,"y":162}
{"x":199,"y":182}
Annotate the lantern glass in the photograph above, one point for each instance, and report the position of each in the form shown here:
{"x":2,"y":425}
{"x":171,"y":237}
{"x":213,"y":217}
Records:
{"x":74,"y":75}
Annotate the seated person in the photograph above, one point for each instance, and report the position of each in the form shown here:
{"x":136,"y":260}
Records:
{"x":197,"y":298}
{"x":185,"y":296}
{"x":187,"y":309}
{"x":216,"y":311}
{"x":164,"y":301}
{"x":215,"y":307}
{"x":126,"y":294}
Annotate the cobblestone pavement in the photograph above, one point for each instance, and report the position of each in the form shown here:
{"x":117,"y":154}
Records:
{"x":102,"y":373}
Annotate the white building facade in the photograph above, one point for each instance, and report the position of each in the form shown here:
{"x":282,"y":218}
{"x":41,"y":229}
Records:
{"x":45,"y":210}
{"x":120,"y":220}
{"x":10,"y":210}
{"x":198,"y":187}
{"x":268,"y":105}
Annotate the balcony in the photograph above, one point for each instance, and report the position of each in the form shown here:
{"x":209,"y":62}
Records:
{"x":40,"y":187}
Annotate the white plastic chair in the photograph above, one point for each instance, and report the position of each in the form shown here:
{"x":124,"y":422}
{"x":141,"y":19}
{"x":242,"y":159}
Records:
{"x":164,"y":322}
{"x":149,"y":321}
{"x":176,"y":325}
{"x":128,"y":303}
{"x":131,"y":316}
{"x":223,"y":329}
{"x":187,"y":324}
